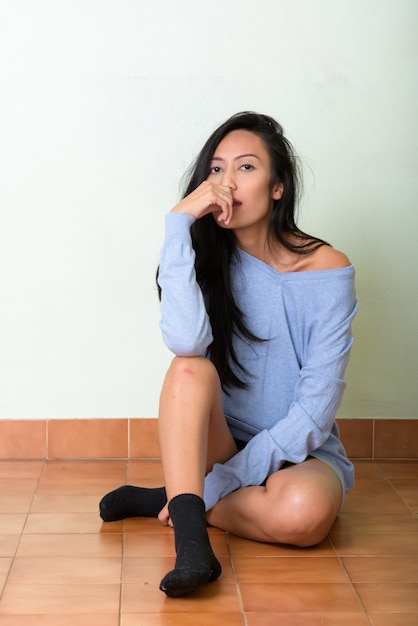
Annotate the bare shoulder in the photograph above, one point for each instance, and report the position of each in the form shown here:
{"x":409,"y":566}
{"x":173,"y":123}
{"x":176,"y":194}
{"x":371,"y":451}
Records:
{"x":327,"y":258}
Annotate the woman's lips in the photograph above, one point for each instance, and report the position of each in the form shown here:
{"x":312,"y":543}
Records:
{"x":236,"y":203}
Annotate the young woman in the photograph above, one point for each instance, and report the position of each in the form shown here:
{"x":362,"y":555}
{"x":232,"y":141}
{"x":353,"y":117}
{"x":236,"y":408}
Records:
{"x":258,"y":314}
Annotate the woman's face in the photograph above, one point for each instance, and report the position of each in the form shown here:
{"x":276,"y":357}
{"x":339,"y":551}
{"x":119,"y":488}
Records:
{"x":242,"y":163}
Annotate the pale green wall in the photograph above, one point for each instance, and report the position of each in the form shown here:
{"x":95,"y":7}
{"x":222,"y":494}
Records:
{"x":105,"y":102}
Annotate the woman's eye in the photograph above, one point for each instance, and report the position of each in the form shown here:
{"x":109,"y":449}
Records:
{"x":247,"y":167}
{"x":215,"y":169}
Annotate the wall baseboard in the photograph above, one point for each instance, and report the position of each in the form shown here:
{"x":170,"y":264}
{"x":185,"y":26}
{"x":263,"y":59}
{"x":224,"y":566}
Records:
{"x":137,"y":438}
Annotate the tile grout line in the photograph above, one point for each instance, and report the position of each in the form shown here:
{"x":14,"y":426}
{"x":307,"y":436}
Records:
{"x":123,"y":546}
{"x":128,"y":434}
{"x":240,"y":602}
{"x":373,"y":432}
{"x":352,"y":584}
{"x":46,"y":439}
{"x":121,"y":574}
{"x":389,"y":480}
{"x":22,"y":531}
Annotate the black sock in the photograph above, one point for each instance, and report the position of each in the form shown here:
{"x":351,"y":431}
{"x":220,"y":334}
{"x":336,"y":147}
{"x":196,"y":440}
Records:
{"x":196,"y":563}
{"x":130,"y":501}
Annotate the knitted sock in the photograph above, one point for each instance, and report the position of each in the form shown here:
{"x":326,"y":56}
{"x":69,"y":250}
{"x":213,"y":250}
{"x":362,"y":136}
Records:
{"x":196,"y":563}
{"x":128,"y":501}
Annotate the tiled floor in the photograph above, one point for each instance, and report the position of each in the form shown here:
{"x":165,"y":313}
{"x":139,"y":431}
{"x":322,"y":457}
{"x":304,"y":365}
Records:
{"x":60,"y":566}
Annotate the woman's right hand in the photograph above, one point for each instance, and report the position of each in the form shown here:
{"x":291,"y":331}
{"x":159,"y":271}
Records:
{"x":207,"y":198}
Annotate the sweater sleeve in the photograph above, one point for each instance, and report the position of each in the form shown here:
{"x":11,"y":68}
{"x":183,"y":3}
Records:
{"x":311,"y":415}
{"x":184,"y":321}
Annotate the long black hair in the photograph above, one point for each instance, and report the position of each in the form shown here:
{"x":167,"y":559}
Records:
{"x":215,"y":247}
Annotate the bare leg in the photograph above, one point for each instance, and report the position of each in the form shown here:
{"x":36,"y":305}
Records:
{"x":192,"y":428}
{"x":191,"y":422}
{"x":297,"y":506}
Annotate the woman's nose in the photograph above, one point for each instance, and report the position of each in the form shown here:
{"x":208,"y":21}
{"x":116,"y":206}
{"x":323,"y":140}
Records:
{"x":228,"y":180}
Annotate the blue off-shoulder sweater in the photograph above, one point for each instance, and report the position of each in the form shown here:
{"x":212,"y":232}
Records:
{"x":296,"y":377}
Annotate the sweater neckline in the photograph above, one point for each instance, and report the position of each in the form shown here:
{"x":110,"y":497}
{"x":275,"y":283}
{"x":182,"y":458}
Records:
{"x":303,"y":275}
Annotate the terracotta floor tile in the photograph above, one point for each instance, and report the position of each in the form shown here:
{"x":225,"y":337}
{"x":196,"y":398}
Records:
{"x":376,"y":545}
{"x":399,"y":469}
{"x":68,"y":564}
{"x":389,"y":598}
{"x":81,"y":545}
{"x":65,"y":470}
{"x":407,"y":488}
{"x":372,"y":487}
{"x":357,"y":437}
{"x":216,"y":597}
{"x":5,"y":564}
{"x":69,"y":523}
{"x":299,"y":598}
{"x":88,"y":438}
{"x":375,"y":523}
{"x":60,"y":599}
{"x":15,"y":503}
{"x":373,"y":496}
{"x":244,"y":547}
{"x":289,"y":570}
{"x":367,"y":469}
{"x":65,"y":570}
{"x":150,"y":468}
{"x":8,"y":544}
{"x":65,"y":504}
{"x":152,"y":569}
{"x":21,"y":469}
{"x":144,"y":438}
{"x":18,"y":486}
{"x":12,"y":523}
{"x":380,"y":569}
{"x":77,"y":486}
{"x":22,"y":439}
{"x":182,"y":619}
{"x":394,"y":619}
{"x":59,"y":620}
{"x":152,"y":545}
{"x":396,"y":438}
{"x":307,"y":619}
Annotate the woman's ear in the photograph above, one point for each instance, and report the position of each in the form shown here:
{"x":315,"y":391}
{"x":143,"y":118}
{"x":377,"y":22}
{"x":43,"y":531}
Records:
{"x":277,"y":191}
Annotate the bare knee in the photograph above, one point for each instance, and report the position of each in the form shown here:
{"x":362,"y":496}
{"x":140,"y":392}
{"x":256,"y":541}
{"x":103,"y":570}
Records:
{"x":192,"y":385}
{"x":191,"y":366}
{"x":302,"y":518}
